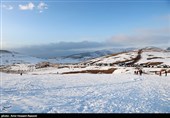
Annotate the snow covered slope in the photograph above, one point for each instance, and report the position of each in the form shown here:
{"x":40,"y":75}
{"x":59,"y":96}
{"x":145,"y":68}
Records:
{"x":84,"y":93}
{"x":9,"y":58}
{"x":114,"y":58}
{"x":76,"y":58}
{"x":155,"y":55}
{"x":141,"y":56}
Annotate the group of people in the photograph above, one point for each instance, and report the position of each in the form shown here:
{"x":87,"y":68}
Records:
{"x":160,"y":73}
{"x":138,"y":72}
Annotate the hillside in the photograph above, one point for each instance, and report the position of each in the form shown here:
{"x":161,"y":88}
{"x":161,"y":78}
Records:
{"x":153,"y":56}
{"x":81,"y":57}
{"x":140,"y":56}
{"x":148,"y":59}
{"x":105,"y":84}
{"x":9,"y":58}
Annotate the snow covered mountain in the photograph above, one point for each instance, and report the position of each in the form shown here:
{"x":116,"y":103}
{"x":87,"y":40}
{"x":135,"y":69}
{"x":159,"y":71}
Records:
{"x":155,"y":56}
{"x":146,"y":56}
{"x":9,"y":58}
{"x":168,"y":48}
{"x":76,"y":58}
{"x":152,"y":48}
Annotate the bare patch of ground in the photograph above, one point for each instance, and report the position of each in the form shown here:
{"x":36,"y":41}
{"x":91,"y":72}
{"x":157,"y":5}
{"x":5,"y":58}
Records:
{"x":155,"y":58}
{"x":109,"y":71}
{"x":152,"y":63}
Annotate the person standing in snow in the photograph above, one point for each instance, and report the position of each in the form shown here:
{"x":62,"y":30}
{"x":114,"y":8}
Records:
{"x":160,"y":73}
{"x":137,"y":72}
{"x":166,"y":73}
{"x":140,"y":72}
{"x":21,"y":72}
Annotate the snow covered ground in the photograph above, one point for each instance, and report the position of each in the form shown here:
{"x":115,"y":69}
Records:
{"x":16,"y":58}
{"x":151,"y":56}
{"x":47,"y":90}
{"x":84,"y":93}
{"x":118,"y":58}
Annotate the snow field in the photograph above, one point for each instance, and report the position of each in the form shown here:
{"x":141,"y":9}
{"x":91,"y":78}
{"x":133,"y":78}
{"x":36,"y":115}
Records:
{"x":162,"y":57}
{"x":10,"y":58}
{"x":84,"y":93}
{"x":118,"y":58}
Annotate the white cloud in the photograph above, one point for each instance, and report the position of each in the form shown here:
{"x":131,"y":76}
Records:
{"x":29,"y":6}
{"x":8,"y":7}
{"x":41,"y":6}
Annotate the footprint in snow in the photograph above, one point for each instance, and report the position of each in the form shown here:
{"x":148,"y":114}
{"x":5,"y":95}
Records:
{"x":5,"y":108}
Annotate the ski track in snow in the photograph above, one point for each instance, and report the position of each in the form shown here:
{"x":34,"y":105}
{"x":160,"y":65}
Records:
{"x":84,"y":93}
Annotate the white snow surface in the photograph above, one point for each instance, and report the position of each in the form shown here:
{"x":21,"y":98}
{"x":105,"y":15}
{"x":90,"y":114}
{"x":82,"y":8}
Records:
{"x":146,"y":56}
{"x":15,"y":58}
{"x":120,"y":57}
{"x":84,"y":93}
{"x":124,"y":56}
{"x":161,"y":57}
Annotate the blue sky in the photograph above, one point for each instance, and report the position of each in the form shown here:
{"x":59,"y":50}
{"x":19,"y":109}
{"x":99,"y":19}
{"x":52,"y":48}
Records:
{"x":112,"y":23}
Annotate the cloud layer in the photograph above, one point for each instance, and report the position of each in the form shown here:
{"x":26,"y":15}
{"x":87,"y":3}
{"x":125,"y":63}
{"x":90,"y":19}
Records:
{"x":62,"y":48}
{"x":140,"y":38}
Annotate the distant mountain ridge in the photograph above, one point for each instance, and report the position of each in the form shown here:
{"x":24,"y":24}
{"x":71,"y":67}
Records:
{"x":146,"y":56}
{"x":75,"y":58}
{"x":89,"y":54}
{"x":152,"y":48}
{"x":5,"y":51}
{"x":10,"y":57}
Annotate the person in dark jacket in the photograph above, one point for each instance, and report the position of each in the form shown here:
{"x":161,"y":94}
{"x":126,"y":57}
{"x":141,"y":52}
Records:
{"x":140,"y":72}
{"x":160,"y":73}
{"x":135,"y":72}
{"x":166,"y":73}
{"x":21,"y":73}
